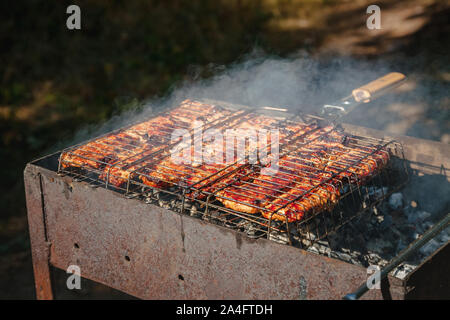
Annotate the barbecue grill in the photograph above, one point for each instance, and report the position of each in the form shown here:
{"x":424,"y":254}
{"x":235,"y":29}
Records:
{"x":119,"y":207}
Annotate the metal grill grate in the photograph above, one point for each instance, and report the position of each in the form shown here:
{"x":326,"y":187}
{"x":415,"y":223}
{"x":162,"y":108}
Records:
{"x":324,"y":178}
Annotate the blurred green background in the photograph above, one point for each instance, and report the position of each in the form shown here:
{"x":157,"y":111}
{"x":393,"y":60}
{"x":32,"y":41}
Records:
{"x":55,"y":81}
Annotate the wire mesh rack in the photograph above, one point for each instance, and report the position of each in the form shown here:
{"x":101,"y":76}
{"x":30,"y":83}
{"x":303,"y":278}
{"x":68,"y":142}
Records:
{"x":323,"y":177}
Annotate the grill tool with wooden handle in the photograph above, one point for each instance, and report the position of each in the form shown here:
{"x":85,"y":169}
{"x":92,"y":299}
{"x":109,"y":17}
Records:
{"x":363,"y":94}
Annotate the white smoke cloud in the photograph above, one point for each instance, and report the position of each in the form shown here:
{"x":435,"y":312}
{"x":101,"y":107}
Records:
{"x":301,"y":83}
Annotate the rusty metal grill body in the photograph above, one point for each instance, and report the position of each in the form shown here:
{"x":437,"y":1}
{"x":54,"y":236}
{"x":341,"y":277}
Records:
{"x":69,"y":205}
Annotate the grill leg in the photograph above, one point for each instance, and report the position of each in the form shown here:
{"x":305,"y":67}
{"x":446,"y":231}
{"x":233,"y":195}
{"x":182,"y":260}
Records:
{"x":40,"y":246}
{"x":41,"y":269}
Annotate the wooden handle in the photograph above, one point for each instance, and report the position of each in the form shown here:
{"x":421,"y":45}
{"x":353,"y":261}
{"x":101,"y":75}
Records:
{"x":375,"y":88}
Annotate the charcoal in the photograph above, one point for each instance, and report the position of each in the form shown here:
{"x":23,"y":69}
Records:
{"x":334,"y":254}
{"x":278,"y":237}
{"x":310,"y":236}
{"x":403,"y":270}
{"x":396,"y":201}
{"x":306,"y":243}
{"x":193,"y":211}
{"x":214,"y":217}
{"x":344,"y":256}
{"x":313,"y":249}
{"x":323,"y":243}
{"x":355,"y":254}
{"x":164,"y":204}
{"x":418,"y":216}
{"x":322,"y":249}
{"x":386,"y":223}
{"x":383,"y":262}
{"x":148,"y":200}
{"x":356,"y":262}
{"x":250,"y":230}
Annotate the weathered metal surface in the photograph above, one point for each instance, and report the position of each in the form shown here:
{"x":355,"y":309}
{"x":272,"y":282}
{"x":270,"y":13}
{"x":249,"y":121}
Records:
{"x":151,"y":252}
{"x":431,"y":280}
{"x":36,"y":221}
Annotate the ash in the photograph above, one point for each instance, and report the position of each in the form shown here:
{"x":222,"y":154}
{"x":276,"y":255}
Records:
{"x":381,"y":233}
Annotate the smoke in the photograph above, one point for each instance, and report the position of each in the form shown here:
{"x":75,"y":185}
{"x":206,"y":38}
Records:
{"x":297,"y":84}
{"x":301,"y":83}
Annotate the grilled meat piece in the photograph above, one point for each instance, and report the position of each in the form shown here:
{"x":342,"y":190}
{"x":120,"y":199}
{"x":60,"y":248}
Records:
{"x":252,"y":197}
{"x":311,"y":174}
{"x":117,"y":155}
{"x":307,"y":199}
{"x":199,"y":175}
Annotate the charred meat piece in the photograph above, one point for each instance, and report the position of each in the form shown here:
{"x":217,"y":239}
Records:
{"x":309,"y":178}
{"x":115,"y":156}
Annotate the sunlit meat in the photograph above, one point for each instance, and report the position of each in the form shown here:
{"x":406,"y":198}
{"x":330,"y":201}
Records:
{"x":306,"y":175}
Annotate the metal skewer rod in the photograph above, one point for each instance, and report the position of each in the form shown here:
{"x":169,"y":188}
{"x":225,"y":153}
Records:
{"x":413,"y":247}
